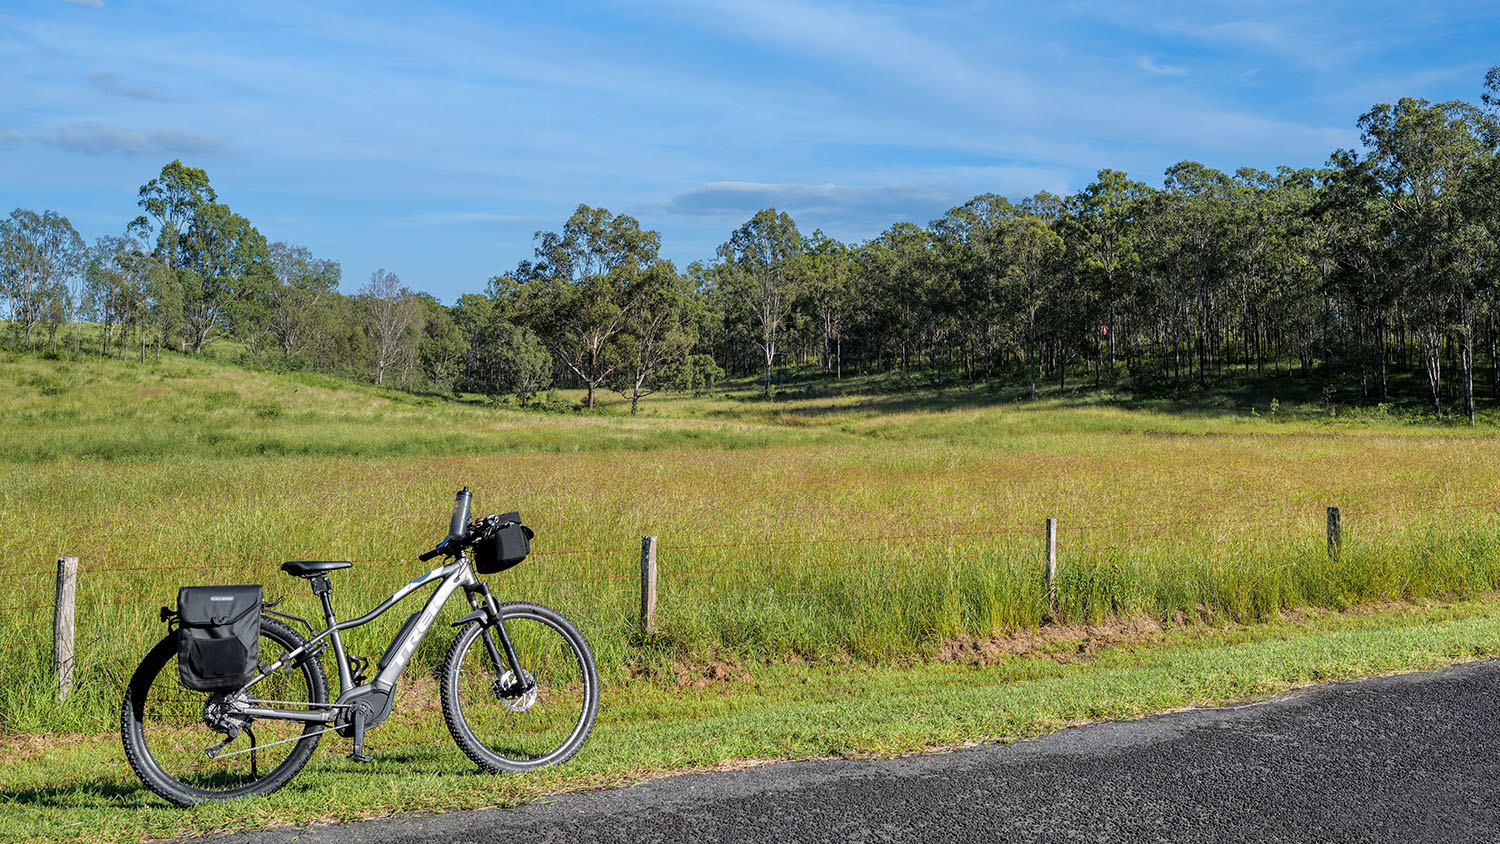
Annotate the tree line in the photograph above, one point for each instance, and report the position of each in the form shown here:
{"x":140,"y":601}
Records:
{"x":1379,"y":269}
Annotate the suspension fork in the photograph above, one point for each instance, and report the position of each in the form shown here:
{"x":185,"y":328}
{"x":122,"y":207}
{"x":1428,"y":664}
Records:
{"x":520,"y":684}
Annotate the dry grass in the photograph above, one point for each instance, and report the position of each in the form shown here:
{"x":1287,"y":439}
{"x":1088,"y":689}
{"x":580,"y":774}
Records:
{"x":845,"y":527}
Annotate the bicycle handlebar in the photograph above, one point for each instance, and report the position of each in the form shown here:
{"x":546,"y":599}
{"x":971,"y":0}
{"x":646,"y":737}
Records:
{"x":463,"y":533}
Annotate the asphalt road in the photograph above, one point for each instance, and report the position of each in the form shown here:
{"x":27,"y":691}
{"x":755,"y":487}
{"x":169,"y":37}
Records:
{"x":1411,"y":758}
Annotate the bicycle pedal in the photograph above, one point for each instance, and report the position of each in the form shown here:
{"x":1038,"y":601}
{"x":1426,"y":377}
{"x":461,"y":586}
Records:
{"x":360,"y":757}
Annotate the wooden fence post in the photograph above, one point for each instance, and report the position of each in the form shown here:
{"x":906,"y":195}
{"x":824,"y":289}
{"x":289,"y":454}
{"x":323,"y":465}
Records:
{"x":1052,"y":568}
{"x":648,"y":585}
{"x":62,"y":624}
{"x":1335,"y":533}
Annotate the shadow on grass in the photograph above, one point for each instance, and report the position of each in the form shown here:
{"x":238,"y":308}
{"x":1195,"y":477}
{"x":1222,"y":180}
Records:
{"x":116,"y":794}
{"x":1283,"y":396}
{"x":93,"y":793}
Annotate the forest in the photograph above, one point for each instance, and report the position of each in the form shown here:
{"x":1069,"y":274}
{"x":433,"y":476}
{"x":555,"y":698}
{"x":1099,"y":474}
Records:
{"x":1374,"y":277}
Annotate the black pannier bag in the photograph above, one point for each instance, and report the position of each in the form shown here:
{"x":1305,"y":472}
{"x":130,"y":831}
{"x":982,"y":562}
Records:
{"x":506,"y":544}
{"x":218,"y":636}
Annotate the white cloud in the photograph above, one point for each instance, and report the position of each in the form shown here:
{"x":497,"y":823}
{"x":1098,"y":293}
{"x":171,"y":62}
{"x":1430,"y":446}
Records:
{"x":1247,"y":33}
{"x":737,"y":199}
{"x":878,"y":42}
{"x":10,"y":138}
{"x":1149,"y":65}
{"x":99,"y":139}
{"x":1305,"y":40}
{"x":110,"y":83}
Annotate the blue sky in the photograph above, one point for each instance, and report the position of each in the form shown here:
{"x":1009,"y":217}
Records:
{"x":435,"y":139}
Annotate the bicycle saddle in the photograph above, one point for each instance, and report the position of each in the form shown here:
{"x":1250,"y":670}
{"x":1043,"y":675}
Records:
{"x":308,"y":568}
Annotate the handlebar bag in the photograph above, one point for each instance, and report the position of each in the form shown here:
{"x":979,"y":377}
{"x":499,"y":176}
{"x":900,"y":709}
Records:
{"x":507,"y":545}
{"x":218,"y":636}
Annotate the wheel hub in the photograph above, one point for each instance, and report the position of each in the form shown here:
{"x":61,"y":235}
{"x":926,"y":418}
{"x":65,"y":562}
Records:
{"x":505,"y":691}
{"x":221,"y":714}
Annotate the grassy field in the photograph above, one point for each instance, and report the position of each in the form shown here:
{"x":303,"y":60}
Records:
{"x":78,"y":788}
{"x":837,"y":530}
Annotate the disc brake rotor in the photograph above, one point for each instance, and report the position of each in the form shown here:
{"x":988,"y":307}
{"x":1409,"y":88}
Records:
{"x":520,"y":702}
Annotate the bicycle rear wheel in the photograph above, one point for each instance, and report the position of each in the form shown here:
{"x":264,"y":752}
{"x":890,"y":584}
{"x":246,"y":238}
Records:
{"x":518,"y":732}
{"x":166,"y":732}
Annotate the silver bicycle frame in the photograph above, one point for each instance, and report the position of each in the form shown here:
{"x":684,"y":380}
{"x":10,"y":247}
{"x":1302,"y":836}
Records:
{"x":454,"y":576}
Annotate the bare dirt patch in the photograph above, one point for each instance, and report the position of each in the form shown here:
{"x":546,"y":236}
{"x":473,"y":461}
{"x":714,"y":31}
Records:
{"x":695,"y":674}
{"x":25,"y":747}
{"x":1063,"y":643}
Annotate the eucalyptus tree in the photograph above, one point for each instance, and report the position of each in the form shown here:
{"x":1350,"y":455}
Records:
{"x":299,"y":301}
{"x":1491,"y":101}
{"x":1068,"y":305}
{"x":1256,"y":243}
{"x":1469,"y":253}
{"x":116,"y":281}
{"x":970,"y":248}
{"x":661,"y":328}
{"x":1349,"y":205}
{"x":1419,"y":154}
{"x":723,"y":326}
{"x":1197,"y":196}
{"x":394,"y":315}
{"x":760,"y":277}
{"x":1033,"y":248}
{"x":218,"y":260}
{"x":828,"y":268}
{"x":441,"y":348}
{"x":39,"y":255}
{"x":1301,"y":251}
{"x":1482,"y":209}
{"x":1105,"y":227}
{"x":470,"y":314}
{"x":1472,"y":253}
{"x":228,"y":263}
{"x":505,"y":356}
{"x":164,"y":303}
{"x":584,"y":286}
{"x":513,"y":360}
{"x":171,"y":202}
{"x":898,"y":267}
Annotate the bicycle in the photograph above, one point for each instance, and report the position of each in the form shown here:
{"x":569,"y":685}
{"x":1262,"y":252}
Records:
{"x":519,"y":686}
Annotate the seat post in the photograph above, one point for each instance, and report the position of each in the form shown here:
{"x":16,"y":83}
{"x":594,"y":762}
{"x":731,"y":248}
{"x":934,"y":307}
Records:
{"x":321,"y":587}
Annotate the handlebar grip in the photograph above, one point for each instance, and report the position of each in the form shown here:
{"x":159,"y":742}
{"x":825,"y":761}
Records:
{"x":430,"y":554}
{"x":460,"y":523}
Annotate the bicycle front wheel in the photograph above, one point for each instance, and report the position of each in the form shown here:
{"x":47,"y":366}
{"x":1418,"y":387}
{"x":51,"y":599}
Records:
{"x":545,"y":725}
{"x":168,"y":729}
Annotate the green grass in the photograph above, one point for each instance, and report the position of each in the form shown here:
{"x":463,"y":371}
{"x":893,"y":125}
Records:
{"x":817,"y":542}
{"x":68,"y":788}
{"x":819,"y":527}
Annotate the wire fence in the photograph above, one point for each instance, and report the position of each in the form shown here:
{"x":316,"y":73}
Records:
{"x":1107,"y":541}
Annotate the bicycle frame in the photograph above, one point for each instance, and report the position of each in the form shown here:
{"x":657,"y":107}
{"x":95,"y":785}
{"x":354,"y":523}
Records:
{"x":453,"y":576}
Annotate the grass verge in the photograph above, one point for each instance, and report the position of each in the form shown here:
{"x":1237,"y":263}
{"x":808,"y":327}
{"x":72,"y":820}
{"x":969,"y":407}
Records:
{"x":73,"y":788}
